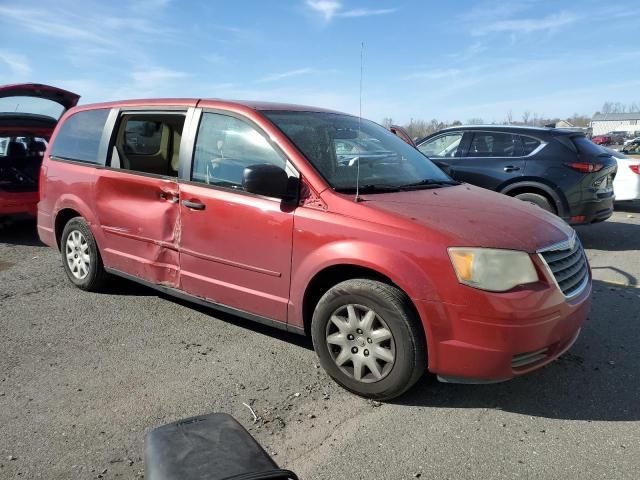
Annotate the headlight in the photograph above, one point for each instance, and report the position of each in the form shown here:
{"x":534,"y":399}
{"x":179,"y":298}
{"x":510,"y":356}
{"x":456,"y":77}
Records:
{"x":491,"y":269}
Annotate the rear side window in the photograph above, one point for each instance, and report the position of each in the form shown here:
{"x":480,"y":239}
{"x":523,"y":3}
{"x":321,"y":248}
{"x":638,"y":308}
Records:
{"x":529,"y":144}
{"x":142,"y":137}
{"x":79,"y":137}
{"x":494,"y":144}
{"x":586,"y":146}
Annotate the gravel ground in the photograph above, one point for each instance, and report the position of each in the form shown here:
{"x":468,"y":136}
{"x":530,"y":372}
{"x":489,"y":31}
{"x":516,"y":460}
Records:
{"x":84,"y":376}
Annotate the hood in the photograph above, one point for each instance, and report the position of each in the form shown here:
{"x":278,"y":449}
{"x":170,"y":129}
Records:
{"x":36,"y":90}
{"x":472,"y":216}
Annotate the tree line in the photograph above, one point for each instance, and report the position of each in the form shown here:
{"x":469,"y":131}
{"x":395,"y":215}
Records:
{"x":421,"y":128}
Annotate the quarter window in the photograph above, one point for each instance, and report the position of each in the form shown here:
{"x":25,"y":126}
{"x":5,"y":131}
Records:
{"x":79,"y":137}
{"x":443,"y":146}
{"x":493,"y":144}
{"x":225,"y":146}
{"x":529,"y":144}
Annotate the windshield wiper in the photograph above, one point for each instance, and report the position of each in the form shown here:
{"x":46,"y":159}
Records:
{"x":428,"y":183}
{"x":371,"y":188}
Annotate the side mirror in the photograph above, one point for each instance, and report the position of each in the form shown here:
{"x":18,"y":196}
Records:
{"x":266,"y":179}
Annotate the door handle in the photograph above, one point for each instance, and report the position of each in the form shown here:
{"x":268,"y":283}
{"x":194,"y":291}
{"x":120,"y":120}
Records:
{"x":193,"y":205}
{"x":510,"y":168}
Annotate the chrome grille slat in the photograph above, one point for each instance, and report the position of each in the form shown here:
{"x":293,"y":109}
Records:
{"x":553,"y":257}
{"x":568,"y":265}
{"x":571,"y":270}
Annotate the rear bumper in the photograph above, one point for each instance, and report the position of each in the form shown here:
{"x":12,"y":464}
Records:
{"x":18,"y":203}
{"x":593,"y":211}
{"x":45,"y":229}
{"x":503,"y":337}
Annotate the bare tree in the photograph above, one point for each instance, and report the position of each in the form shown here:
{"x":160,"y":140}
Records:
{"x":525,"y":117}
{"x":475,"y":121}
{"x":387,"y":122}
{"x":509,"y":119}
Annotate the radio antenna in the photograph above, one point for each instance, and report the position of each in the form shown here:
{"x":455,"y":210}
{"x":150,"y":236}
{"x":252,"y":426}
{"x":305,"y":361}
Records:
{"x":359,"y":121}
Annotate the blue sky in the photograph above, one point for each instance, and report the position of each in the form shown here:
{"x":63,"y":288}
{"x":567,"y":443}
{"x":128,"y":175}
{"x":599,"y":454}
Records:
{"x":422,"y":59}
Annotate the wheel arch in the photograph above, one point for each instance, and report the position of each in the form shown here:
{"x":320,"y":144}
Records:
{"x":536,"y":186}
{"x":67,"y":207}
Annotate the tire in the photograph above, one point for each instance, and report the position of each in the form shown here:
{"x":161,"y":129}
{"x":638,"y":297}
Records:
{"x":538,"y":200}
{"x":80,"y":256}
{"x":390,"y":342}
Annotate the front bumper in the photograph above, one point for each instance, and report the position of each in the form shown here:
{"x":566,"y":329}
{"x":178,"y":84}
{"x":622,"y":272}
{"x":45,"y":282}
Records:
{"x":496,"y":337}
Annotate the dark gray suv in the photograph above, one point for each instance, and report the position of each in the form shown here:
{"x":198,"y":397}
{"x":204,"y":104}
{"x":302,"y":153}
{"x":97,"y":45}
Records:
{"x":561,"y":171}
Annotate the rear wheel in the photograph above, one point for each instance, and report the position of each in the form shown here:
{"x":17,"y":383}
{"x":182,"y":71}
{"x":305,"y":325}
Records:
{"x":80,"y":256}
{"x":369,"y":339}
{"x":537,"y":199}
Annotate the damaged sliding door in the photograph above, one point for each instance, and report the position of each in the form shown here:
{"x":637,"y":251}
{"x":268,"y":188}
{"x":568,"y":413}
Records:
{"x":137,"y":196}
{"x":140,"y":219}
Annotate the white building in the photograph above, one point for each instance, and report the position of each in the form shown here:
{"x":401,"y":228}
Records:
{"x":615,"y":122}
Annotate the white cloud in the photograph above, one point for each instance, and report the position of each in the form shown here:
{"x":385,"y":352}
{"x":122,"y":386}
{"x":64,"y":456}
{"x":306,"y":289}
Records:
{"x":365,"y":12}
{"x":329,"y":9}
{"x":281,"y":76}
{"x":48,"y":23}
{"x":154,"y":76}
{"x":18,"y":64}
{"x":527,"y":25}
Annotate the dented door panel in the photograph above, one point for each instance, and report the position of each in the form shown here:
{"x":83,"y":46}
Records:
{"x":140,"y":221}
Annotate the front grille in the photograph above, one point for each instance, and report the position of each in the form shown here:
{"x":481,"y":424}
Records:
{"x":568,"y":264}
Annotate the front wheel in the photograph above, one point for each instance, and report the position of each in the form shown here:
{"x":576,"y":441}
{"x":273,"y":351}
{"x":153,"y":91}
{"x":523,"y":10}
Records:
{"x":369,"y":339}
{"x":80,"y":256}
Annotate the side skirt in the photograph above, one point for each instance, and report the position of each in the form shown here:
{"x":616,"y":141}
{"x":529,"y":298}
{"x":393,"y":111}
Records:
{"x":174,"y":292}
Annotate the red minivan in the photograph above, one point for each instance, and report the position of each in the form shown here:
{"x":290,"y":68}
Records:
{"x":319,"y":223}
{"x":28,"y":114}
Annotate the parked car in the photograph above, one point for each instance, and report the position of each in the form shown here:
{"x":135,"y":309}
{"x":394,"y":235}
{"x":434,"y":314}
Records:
{"x":23,"y":140}
{"x":631,"y":140}
{"x":380,"y":257}
{"x":626,"y":185}
{"x":558,"y":170}
{"x":618,"y":137}
{"x":631,"y":148}
{"x":602,"y":140}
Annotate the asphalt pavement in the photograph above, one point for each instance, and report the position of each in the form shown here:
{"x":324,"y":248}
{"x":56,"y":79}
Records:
{"x":83,"y":376}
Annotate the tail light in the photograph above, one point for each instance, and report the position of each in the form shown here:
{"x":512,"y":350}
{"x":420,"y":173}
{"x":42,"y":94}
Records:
{"x":635,"y":169}
{"x":585,"y":167}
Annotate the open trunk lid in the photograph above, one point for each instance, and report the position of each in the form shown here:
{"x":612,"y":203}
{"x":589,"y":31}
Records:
{"x":46,"y":92}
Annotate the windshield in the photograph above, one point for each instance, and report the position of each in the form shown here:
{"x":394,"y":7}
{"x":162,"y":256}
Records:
{"x":336,"y":143}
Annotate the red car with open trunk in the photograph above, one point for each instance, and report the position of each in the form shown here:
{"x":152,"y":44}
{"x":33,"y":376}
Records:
{"x":319,"y":223}
{"x":24,"y":134}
